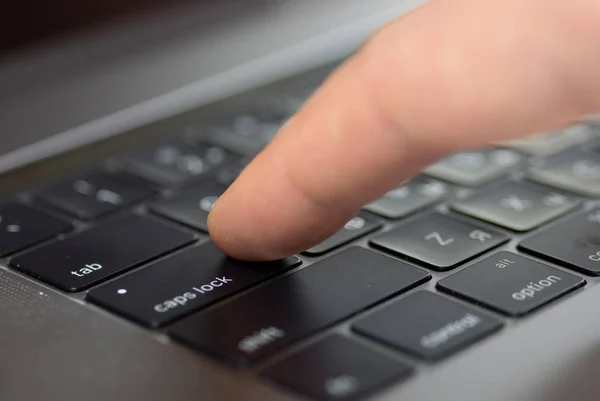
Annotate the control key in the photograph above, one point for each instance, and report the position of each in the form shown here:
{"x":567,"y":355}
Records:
{"x":428,"y":326}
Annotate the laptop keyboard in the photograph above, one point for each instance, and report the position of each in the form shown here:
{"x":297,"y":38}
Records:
{"x":78,"y":262}
{"x":191,"y":207}
{"x":419,"y":325}
{"x":438,"y":241}
{"x":180,"y":285}
{"x":318,"y":296}
{"x":93,"y":196}
{"x":511,"y":284}
{"x":176,"y":164}
{"x":517,"y":206}
{"x":437,"y":265}
{"x":577,"y":172}
{"x":476,"y":168}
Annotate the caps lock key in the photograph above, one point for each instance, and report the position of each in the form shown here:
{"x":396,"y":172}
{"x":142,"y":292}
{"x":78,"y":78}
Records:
{"x":182,"y":284}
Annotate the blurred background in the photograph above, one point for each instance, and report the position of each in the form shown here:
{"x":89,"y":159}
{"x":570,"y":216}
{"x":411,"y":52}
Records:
{"x":48,"y":20}
{"x":65,"y":64}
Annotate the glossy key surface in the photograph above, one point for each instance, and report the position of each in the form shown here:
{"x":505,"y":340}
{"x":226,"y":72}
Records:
{"x":94,"y":195}
{"x":283,"y":311}
{"x":438,"y":241}
{"x":90,"y":257}
{"x":179,"y":285}
{"x":192,"y":206}
{"x":409,"y":198}
{"x":357,"y":227}
{"x":23,"y":226}
{"x":176,"y":163}
{"x":476,"y":167}
{"x":428,"y":326}
{"x":577,"y":172}
{"x":337,"y":368}
{"x":573,"y":243}
{"x":510,"y":283}
{"x":551,"y":143}
{"x":517,"y":206}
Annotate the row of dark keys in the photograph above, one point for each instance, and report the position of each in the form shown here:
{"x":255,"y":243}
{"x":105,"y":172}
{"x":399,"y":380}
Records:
{"x":424,"y":325}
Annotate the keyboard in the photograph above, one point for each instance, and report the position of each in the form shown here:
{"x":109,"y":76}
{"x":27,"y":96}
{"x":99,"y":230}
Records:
{"x":444,"y":262}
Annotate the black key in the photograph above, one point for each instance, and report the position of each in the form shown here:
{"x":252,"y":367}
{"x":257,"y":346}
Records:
{"x":184,"y":283}
{"x":548,"y":144}
{"x":440,"y":242}
{"x":337,"y":368}
{"x":192,"y":206}
{"x":288,"y":309}
{"x":22,"y":226}
{"x":476,"y":168}
{"x":95,"y":195}
{"x":355,"y":228}
{"x":578,"y":172}
{"x":511,"y":284}
{"x":517,"y":206}
{"x":177,"y":163}
{"x":258,"y":126}
{"x":428,"y":326}
{"x":230,"y":172}
{"x":95,"y":255}
{"x":574,"y":243}
{"x":409,"y":198}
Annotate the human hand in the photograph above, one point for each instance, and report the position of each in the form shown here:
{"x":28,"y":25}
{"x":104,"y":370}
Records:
{"x":450,"y":76}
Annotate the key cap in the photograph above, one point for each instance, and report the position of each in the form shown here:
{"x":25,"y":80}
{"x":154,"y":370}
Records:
{"x":192,"y":206}
{"x":23,"y":226}
{"x":94,"y":196}
{"x":358,"y":227}
{"x":184,"y":283}
{"x":261,"y":127}
{"x":476,"y":168}
{"x":177,"y":163}
{"x":551,"y":143}
{"x":230,"y":172}
{"x":438,"y":241}
{"x":409,"y":198}
{"x":428,"y":326}
{"x":245,"y":133}
{"x":337,"y":368}
{"x":577,"y":172}
{"x":90,"y":257}
{"x":517,"y":206}
{"x":574,"y":243}
{"x":293,"y":307}
{"x":510,"y":283}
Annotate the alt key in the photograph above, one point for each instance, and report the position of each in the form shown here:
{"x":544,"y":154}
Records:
{"x":511,"y":284}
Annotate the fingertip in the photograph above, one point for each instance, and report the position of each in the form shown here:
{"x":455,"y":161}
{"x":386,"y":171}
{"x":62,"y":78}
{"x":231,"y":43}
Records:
{"x":219,"y":230}
{"x":239,"y":236}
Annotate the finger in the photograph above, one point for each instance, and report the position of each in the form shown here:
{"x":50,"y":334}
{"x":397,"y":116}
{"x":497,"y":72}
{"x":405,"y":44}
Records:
{"x":452,"y":75}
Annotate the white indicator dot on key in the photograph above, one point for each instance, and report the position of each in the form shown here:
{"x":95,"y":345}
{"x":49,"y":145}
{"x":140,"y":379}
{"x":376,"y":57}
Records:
{"x":122,"y":291}
{"x":13,"y":228}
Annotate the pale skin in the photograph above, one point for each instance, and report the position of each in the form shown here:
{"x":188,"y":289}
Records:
{"x":452,"y":75}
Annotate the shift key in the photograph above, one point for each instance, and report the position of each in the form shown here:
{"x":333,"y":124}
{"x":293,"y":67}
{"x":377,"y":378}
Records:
{"x":182,"y":284}
{"x":286,"y":310}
